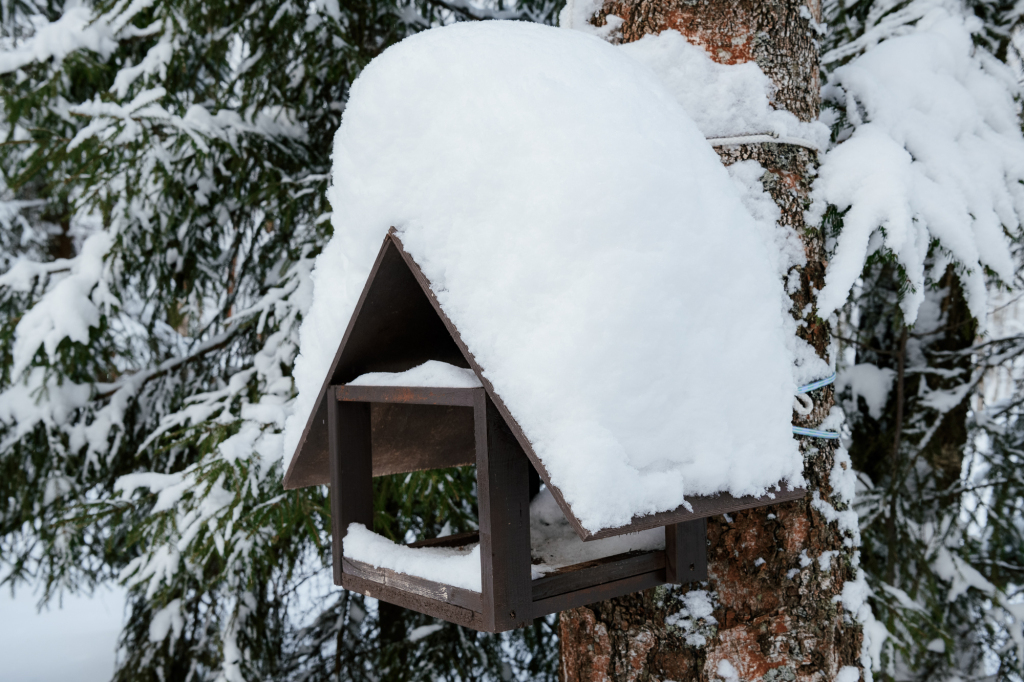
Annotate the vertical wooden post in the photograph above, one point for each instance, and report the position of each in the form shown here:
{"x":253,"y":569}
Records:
{"x":686,"y":552}
{"x":348,"y":433}
{"x":503,"y":492}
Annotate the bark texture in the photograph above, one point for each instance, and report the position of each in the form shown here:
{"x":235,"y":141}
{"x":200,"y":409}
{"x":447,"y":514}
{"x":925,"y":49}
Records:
{"x":774,"y":33}
{"x":774,"y":573}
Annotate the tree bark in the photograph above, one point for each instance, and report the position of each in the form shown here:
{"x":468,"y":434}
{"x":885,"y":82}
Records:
{"x":774,"y":573}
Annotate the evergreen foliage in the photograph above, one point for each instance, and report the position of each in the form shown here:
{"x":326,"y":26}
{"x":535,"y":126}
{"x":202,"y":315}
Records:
{"x":164,"y":166}
{"x":936,"y":448}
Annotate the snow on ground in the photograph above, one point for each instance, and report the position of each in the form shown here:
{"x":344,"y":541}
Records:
{"x":590,"y":247}
{"x":74,"y":642}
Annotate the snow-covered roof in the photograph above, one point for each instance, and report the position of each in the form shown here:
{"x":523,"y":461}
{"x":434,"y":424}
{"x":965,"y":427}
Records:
{"x":589,"y":247}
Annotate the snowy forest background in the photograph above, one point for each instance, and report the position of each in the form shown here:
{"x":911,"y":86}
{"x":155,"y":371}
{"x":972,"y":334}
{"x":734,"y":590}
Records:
{"x":163,"y":168}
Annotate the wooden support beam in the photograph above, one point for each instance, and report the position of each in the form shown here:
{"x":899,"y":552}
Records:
{"x":348,"y":433}
{"x":590,"y":595}
{"x":409,"y":395}
{"x":459,"y":596}
{"x":686,"y":552}
{"x":594,"y":573}
{"x":503,"y":497}
{"x":432,"y":607}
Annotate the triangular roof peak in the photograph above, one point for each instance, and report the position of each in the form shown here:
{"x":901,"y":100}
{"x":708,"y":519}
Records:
{"x":398,"y":324}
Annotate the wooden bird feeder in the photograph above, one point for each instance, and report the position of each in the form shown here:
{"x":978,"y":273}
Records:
{"x":358,"y":432}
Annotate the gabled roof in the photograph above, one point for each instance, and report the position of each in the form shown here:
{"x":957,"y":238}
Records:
{"x":398,"y":324}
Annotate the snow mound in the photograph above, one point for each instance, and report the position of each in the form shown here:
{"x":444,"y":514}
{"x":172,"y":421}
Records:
{"x":554,"y":544}
{"x":433,"y":373}
{"x":589,"y":246}
{"x":457,"y":566}
{"x":724,"y":100}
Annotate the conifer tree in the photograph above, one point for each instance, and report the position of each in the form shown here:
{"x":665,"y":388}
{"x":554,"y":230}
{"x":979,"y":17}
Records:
{"x":929,"y":371}
{"x":164,"y":166}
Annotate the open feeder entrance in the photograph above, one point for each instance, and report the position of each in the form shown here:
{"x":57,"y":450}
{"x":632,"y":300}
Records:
{"x":534,"y":556}
{"x":528,"y":558}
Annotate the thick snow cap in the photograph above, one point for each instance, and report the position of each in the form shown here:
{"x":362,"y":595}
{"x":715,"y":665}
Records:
{"x":590,"y":248}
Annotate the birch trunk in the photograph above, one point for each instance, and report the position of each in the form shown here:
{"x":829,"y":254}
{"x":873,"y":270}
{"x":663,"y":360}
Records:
{"x":774,"y":573}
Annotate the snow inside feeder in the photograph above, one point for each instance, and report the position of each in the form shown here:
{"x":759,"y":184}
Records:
{"x":570,"y":288}
{"x":553,"y":544}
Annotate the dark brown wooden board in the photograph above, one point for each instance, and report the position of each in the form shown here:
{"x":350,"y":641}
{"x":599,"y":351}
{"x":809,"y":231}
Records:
{"x":686,"y":552}
{"x":415,"y":395}
{"x":457,"y":540}
{"x":503,"y":499}
{"x":334,"y":438}
{"x":420,"y":437}
{"x":351,"y":478}
{"x":605,"y":591}
{"x":431,"y":607}
{"x":467,"y":599}
{"x":394,"y":327}
{"x":311,"y":465}
{"x":598,"y":572}
{"x":701,"y":507}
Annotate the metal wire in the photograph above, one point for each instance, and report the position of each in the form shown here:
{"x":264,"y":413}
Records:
{"x":761,"y":139}
{"x":814,"y":385}
{"x":815,"y":433}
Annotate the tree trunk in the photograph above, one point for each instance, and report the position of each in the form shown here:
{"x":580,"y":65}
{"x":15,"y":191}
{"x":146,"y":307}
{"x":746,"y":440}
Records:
{"x":774,"y":573}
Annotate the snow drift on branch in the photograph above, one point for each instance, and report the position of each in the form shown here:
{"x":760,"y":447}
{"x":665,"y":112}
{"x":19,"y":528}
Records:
{"x":68,"y":310}
{"x":935,"y":155}
{"x":78,"y":28}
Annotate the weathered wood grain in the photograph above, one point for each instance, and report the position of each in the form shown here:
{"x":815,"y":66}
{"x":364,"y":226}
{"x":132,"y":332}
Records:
{"x":598,"y":572}
{"x":590,"y":595}
{"x":432,"y":607}
{"x":467,"y":599}
{"x":686,"y":552}
{"x":416,"y":437}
